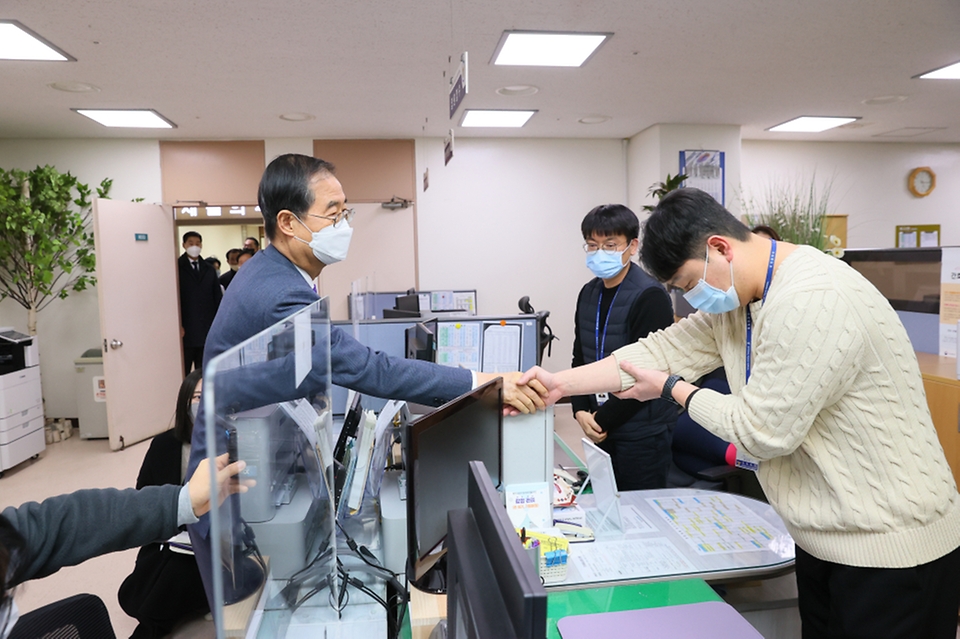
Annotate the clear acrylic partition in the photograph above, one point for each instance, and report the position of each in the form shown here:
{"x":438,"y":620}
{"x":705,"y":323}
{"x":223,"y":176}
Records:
{"x":271,"y":401}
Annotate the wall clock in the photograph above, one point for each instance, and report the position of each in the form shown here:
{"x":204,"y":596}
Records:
{"x":921,"y":181}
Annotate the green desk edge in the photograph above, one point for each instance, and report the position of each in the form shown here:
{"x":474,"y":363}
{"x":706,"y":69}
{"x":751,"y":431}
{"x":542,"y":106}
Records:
{"x":564,"y":603}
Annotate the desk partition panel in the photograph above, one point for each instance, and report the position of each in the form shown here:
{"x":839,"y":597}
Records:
{"x":269,"y":398}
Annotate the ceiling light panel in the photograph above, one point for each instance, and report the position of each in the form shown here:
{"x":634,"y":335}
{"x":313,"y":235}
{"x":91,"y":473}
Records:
{"x":20,"y":43}
{"x":495,"y":118}
{"x":544,"y":49}
{"x":128,"y":118}
{"x":811,"y":124}
{"x":949,"y":72}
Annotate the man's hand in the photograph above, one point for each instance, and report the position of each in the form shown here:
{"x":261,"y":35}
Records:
{"x":648,"y":386}
{"x":518,"y":398}
{"x":546,"y":380}
{"x":590,"y":426}
{"x":199,"y":484}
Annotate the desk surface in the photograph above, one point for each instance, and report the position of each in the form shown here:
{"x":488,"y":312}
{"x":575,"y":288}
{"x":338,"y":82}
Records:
{"x":676,"y":533}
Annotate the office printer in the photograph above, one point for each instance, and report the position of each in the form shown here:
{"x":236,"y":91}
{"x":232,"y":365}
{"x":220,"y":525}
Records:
{"x":17,"y":351}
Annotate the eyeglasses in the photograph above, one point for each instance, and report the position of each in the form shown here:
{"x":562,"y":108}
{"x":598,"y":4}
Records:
{"x":608,"y":247}
{"x":345,"y":214}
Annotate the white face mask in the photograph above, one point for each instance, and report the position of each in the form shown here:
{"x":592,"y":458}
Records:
{"x":8,"y":616}
{"x":193,"y":251}
{"x":331,"y":243}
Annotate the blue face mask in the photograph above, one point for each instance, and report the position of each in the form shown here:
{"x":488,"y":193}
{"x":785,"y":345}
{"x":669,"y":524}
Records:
{"x":711,"y":299}
{"x":605,"y":264}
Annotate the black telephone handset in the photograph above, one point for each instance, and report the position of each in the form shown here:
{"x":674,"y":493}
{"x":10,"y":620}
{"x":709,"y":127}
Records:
{"x":351,"y":424}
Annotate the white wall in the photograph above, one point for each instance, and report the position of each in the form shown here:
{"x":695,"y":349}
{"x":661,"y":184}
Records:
{"x":869,"y":183}
{"x":504,"y":217}
{"x":68,"y":327}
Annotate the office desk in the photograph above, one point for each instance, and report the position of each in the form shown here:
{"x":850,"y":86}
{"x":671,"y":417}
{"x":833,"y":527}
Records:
{"x":675,"y":533}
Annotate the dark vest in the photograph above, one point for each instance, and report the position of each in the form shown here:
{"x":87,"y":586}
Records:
{"x":656,"y":415}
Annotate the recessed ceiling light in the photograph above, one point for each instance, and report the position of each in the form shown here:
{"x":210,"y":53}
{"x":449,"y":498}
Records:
{"x":297,"y":117}
{"x":594,"y":119}
{"x":128,"y":118}
{"x":949,"y":72}
{"x":884,"y":99}
{"x":544,"y":49}
{"x":20,"y":43}
{"x":518,"y":89}
{"x":74,"y":87}
{"x":495,"y":118}
{"x":810,"y":124}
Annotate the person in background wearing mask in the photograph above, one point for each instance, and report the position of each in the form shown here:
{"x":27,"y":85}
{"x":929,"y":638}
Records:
{"x":165,"y":588}
{"x":306,"y":219}
{"x":619,"y":306}
{"x":244,"y":256}
{"x":227,"y":277}
{"x":200,"y":295}
{"x":252,"y":243}
{"x":826,"y":397}
{"x":215,"y":263}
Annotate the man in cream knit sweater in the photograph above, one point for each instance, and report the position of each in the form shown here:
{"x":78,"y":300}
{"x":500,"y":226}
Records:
{"x":826,"y":394}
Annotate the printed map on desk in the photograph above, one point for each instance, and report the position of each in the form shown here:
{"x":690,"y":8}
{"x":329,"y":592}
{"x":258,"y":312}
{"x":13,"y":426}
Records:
{"x":628,"y":559}
{"x":715,"y":524}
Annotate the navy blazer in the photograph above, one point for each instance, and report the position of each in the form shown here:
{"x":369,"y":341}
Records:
{"x":269,"y":288}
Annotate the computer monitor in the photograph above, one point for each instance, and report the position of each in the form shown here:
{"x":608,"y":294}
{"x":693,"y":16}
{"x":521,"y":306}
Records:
{"x":421,"y":341}
{"x":493,"y":591}
{"x":408,"y":303}
{"x":437,"y":449}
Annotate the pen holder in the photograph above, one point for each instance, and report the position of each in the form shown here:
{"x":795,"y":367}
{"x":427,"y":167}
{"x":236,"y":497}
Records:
{"x":553,"y":552}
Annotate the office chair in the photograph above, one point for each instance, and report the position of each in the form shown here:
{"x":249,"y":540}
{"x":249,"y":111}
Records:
{"x":545,"y":332}
{"x":77,"y":617}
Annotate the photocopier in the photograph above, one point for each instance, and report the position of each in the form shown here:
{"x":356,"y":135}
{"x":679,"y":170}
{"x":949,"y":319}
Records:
{"x":21,"y":402}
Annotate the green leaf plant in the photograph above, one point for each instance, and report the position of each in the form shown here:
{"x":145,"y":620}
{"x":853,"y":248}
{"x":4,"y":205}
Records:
{"x":658,"y":189}
{"x":46,"y":240}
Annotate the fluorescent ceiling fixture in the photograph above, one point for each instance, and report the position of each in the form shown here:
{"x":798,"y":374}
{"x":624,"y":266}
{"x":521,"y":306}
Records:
{"x":542,"y":49}
{"x":515,"y":119}
{"x":949,"y":72}
{"x":128,"y":118}
{"x":20,"y":43}
{"x":811,"y":124}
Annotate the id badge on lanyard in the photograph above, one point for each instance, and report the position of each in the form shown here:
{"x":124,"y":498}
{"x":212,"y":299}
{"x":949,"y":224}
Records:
{"x":744,"y":460}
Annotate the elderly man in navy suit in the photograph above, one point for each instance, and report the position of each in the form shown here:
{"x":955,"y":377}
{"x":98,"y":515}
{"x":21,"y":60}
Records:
{"x":307,"y":221}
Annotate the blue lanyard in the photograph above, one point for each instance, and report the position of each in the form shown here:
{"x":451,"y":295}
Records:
{"x":766,"y":287}
{"x":600,"y":344}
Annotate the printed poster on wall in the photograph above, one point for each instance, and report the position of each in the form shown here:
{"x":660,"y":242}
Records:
{"x":704,"y":171}
{"x":949,"y":300}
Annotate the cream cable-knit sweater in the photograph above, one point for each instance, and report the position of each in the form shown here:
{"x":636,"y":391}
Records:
{"x":835,"y":410}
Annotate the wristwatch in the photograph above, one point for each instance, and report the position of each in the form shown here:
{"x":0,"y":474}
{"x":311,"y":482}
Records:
{"x":667,"y":392}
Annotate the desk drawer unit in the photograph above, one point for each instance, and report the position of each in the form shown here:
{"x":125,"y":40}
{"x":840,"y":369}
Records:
{"x":19,"y":391}
{"x":21,"y":437}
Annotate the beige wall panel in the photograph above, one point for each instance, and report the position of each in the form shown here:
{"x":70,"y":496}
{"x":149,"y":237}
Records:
{"x":213,"y":172}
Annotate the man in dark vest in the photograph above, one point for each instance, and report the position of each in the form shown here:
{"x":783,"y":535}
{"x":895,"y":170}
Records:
{"x":621,"y":305}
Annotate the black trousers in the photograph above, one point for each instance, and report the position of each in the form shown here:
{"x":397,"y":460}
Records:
{"x":838,"y":601}
{"x":192,"y":358}
{"x":640,"y":463}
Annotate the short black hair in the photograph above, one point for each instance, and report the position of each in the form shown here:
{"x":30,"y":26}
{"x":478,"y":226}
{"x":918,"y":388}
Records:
{"x":189,"y":234}
{"x":678,"y":229}
{"x":235,"y":251}
{"x":767,"y":230}
{"x":610,"y":219}
{"x":212,"y":260}
{"x":247,"y":251}
{"x":286,"y":185}
{"x":254,"y":240}
{"x":183,"y":420}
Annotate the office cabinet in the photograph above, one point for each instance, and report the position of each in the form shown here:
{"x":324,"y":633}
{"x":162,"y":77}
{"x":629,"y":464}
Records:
{"x":943,"y":397}
{"x":21,"y":417}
